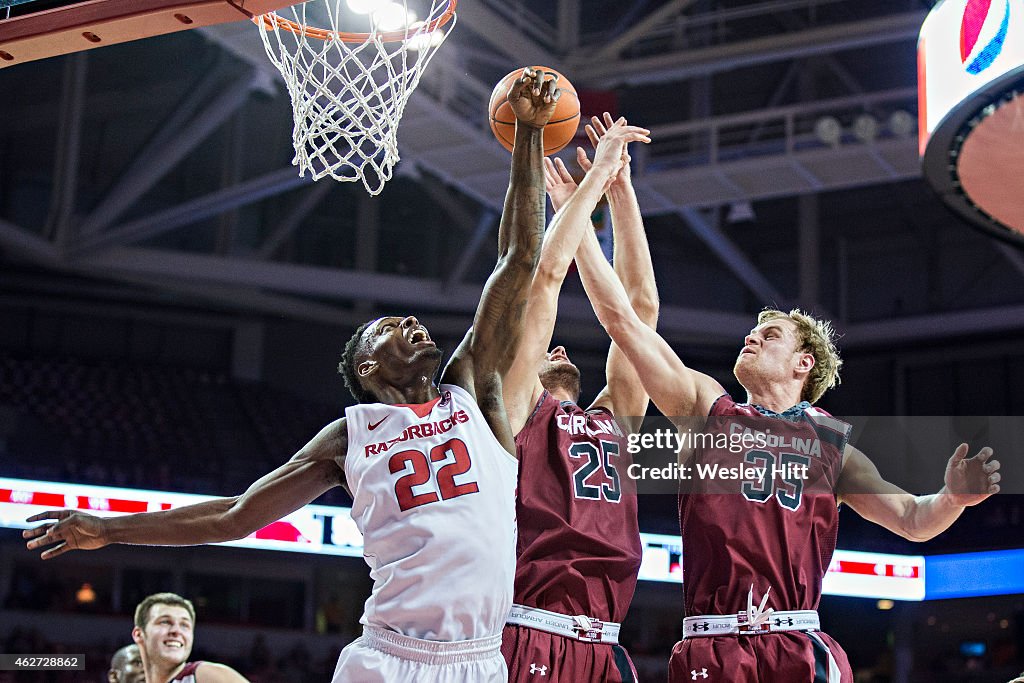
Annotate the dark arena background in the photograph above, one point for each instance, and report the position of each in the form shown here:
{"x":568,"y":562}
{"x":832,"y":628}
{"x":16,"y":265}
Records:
{"x":174,"y":300}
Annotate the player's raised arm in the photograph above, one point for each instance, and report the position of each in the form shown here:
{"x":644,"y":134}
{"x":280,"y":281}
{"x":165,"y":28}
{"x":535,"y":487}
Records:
{"x":486,"y":353}
{"x":315,"y":469}
{"x":561,"y":242}
{"x":968,"y":481}
{"x":624,"y":394}
{"x":676,"y":390}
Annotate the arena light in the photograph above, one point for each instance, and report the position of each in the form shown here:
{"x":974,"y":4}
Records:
{"x":865,"y":128}
{"x":366,"y":6}
{"x":423,"y":41}
{"x":393,"y":16}
{"x":902,"y":124}
{"x":828,"y":130}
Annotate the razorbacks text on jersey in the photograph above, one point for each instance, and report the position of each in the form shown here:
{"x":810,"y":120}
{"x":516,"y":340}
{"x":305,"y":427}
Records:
{"x":579,"y":540}
{"x":434,"y":497}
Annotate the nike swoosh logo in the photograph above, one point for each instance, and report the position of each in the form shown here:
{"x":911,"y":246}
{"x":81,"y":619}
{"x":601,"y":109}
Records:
{"x":373,"y":426}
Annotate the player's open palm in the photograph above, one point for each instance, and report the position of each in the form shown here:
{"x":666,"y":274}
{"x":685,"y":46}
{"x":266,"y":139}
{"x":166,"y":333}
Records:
{"x":72,"y":531}
{"x":611,"y":147}
{"x":598,"y":128}
{"x":972,"y":480}
{"x":533,"y":97}
{"x":558,"y":182}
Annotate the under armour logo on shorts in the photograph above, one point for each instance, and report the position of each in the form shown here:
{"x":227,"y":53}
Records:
{"x":542,"y":670}
{"x":703,"y":673}
{"x":702,"y":626}
{"x":788,"y":621}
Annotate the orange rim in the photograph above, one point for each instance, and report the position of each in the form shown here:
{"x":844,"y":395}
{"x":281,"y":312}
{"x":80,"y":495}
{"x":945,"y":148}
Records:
{"x":269,"y":20}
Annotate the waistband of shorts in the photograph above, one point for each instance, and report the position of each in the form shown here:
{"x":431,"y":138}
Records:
{"x":582,"y":628}
{"x":739,"y":625}
{"x":431,"y":651}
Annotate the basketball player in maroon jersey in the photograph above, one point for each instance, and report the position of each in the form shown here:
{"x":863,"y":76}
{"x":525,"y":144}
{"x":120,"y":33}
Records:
{"x":164,"y":624}
{"x":579,"y":545}
{"x":447,"y":556}
{"x":754,"y":560}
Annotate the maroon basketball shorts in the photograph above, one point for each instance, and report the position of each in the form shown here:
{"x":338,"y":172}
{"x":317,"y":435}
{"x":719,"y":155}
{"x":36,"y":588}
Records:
{"x":533,"y":656}
{"x":784,"y":657}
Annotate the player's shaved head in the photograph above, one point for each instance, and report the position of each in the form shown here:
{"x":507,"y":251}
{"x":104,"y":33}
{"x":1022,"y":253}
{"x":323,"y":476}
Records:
{"x":126,"y":666}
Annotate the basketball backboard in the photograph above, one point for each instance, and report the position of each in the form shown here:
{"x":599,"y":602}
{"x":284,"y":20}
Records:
{"x":35,"y":29}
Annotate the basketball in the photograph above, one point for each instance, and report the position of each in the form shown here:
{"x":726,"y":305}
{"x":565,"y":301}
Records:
{"x":558,"y":132}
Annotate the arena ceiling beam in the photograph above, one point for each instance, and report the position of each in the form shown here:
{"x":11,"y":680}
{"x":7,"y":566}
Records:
{"x":28,"y":245}
{"x":733,"y":258}
{"x":511,"y":41}
{"x":934,"y":326}
{"x":611,"y":51}
{"x":485,"y":226}
{"x":711,"y":327}
{"x":69,"y":147}
{"x":201,"y":208}
{"x":162,"y":155}
{"x":308,"y":200}
{"x":685,"y":64}
{"x":569,"y":24}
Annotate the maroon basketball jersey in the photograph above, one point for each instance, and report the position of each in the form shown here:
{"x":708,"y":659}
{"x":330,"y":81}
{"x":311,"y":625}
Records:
{"x":579,"y":545}
{"x":775,"y":530}
{"x":186,"y":675}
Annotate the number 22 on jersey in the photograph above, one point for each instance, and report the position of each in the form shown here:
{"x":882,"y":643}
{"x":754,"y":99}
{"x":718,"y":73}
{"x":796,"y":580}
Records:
{"x":422,"y":485}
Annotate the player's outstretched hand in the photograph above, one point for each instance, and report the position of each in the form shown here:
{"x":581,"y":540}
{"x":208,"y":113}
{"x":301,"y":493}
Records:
{"x":558,"y":182}
{"x":972,"y":480}
{"x":533,"y":97}
{"x":611,"y":153}
{"x":72,"y":531}
{"x":598,"y":128}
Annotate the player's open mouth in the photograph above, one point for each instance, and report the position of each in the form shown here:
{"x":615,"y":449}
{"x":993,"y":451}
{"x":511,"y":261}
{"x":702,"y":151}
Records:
{"x":174,"y":643}
{"x":747,"y":349}
{"x":418,"y":336}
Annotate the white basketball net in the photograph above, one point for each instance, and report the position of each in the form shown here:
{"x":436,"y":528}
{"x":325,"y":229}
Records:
{"x":348,"y":97}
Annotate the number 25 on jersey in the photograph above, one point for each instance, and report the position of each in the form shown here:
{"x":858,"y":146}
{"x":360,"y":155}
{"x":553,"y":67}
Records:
{"x":422,"y":486}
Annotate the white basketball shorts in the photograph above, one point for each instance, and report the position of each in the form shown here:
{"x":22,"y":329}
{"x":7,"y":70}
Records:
{"x":381,"y":656}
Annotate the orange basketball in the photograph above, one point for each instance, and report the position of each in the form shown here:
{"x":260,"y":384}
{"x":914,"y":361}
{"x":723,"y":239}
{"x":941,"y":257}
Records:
{"x":559,"y":131}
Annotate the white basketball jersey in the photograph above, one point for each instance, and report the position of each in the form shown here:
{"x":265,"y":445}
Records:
{"x":434,"y":497}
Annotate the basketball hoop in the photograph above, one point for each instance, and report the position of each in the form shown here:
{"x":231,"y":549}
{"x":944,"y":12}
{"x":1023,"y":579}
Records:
{"x":349,"y":90}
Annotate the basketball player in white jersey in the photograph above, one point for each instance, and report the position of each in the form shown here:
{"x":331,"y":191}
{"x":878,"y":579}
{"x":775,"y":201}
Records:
{"x":430,"y":468}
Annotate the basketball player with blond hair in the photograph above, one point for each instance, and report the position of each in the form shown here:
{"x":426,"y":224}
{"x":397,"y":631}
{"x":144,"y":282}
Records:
{"x":579,"y":546}
{"x":430,"y":468}
{"x":754,"y":559}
